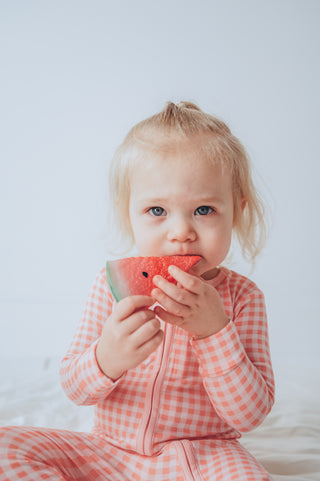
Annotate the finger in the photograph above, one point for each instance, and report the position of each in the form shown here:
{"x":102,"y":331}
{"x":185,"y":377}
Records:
{"x":176,"y":292}
{"x":145,"y":332}
{"x":188,"y":281}
{"x":136,"y":320}
{"x":149,"y":346}
{"x":168,"y":317}
{"x":169,"y":304}
{"x":130,"y":304}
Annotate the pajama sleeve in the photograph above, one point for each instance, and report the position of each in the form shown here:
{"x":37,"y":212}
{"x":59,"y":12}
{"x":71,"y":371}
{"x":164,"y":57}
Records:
{"x":81,"y":377}
{"x":235,"y":365}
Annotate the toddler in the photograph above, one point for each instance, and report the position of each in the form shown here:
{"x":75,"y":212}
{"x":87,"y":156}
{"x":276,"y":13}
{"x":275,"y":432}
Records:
{"x":175,"y":385}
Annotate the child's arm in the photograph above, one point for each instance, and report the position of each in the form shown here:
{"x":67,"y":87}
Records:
{"x":234,"y":357}
{"x":107,"y":343}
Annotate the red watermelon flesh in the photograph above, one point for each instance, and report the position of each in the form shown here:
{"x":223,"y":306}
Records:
{"x":133,"y":275}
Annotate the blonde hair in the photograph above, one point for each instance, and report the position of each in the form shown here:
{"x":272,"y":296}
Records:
{"x":184,"y":121}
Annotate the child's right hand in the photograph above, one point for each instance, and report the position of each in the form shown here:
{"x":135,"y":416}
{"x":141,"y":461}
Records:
{"x":129,"y":336}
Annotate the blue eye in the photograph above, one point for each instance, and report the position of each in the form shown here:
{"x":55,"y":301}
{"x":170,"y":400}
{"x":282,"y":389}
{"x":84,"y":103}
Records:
{"x":157,"y":211}
{"x":203,"y":210}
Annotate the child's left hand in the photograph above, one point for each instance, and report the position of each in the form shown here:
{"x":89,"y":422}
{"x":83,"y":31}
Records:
{"x":193,"y":304}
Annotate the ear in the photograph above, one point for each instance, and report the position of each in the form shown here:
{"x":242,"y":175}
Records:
{"x":243,"y":204}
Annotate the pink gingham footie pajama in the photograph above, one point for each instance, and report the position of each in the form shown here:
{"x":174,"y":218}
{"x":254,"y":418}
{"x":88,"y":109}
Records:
{"x":177,"y":416}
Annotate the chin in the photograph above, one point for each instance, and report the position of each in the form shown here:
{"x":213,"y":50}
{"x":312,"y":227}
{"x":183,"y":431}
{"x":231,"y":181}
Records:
{"x":211,"y":274}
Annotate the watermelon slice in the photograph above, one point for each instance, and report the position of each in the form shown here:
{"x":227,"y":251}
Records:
{"x":133,"y":275}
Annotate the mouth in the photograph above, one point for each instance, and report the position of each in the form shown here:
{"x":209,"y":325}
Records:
{"x":186,"y":255}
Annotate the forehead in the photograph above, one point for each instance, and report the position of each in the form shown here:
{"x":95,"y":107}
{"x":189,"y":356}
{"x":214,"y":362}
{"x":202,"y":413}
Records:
{"x":183,"y":172}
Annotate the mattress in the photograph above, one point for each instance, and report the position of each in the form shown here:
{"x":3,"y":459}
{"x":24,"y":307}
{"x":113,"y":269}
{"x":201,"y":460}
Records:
{"x":287,"y":444}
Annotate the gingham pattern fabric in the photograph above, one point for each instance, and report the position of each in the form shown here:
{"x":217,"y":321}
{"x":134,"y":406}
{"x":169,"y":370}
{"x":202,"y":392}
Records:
{"x":176,"y":416}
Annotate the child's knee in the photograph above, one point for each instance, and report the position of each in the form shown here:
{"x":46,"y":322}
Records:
{"x":6,"y":436}
{"x":11,"y":439}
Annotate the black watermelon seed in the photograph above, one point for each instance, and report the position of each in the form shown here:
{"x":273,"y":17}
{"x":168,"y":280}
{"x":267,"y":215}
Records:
{"x":145,"y":274}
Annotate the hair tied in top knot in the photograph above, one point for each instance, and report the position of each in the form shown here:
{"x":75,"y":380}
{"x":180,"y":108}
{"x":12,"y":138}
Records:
{"x":188,"y":105}
{"x":180,"y":115}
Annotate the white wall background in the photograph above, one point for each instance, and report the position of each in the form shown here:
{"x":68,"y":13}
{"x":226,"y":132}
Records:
{"x":76,"y":75}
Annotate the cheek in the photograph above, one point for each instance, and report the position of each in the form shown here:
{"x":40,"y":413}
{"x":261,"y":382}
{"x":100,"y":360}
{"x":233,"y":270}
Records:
{"x":225,"y":247}
{"x":147,"y":248}
{"x":220,"y":240}
{"x":136,"y":232}
{"x":227,"y":236}
{"x":146,"y":243}
{"x":139,"y":238}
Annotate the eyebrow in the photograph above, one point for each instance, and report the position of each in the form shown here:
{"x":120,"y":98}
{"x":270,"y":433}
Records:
{"x":210,"y":199}
{"x":200,"y":200}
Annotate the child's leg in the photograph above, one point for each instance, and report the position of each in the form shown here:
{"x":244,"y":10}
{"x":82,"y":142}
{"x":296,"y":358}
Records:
{"x":223,"y":459}
{"x":36,"y":453}
{"x":29,"y":454}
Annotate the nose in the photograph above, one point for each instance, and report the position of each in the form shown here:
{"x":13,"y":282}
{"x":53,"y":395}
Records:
{"x":181,"y":230}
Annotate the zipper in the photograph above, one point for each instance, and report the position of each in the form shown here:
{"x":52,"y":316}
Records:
{"x":188,"y":461}
{"x":149,"y":420}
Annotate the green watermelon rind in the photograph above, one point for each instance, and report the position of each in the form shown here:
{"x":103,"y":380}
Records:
{"x":113,"y":289}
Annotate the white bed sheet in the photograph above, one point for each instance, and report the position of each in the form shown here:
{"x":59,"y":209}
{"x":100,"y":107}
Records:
{"x":287,"y":443}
